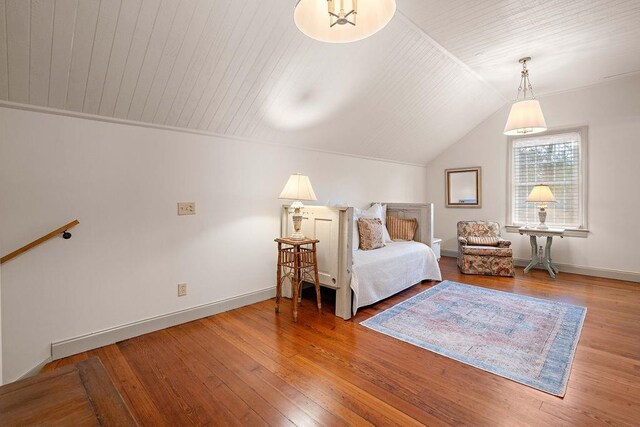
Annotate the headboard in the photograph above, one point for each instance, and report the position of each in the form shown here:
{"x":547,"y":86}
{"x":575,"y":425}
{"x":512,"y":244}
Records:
{"x":423,"y":212}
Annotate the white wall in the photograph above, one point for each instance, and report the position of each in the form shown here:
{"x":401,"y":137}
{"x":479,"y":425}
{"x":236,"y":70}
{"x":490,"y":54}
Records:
{"x":131,"y":249}
{"x":612,"y":112}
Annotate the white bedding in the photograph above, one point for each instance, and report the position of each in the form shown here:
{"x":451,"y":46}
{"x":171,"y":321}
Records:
{"x":380,"y":273}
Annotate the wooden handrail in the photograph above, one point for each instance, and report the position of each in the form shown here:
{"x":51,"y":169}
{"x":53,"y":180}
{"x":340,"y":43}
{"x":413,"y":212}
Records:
{"x":38,"y":241}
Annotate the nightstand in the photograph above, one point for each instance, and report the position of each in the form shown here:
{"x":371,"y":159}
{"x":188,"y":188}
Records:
{"x":297,"y":261}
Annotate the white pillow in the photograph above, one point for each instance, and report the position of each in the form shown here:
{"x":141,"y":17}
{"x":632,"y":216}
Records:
{"x":375,"y":211}
{"x":385,"y":231}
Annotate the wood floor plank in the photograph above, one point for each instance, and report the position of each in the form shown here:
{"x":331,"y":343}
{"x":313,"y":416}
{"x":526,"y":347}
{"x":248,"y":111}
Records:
{"x":205,"y":387}
{"x":251,"y":366}
{"x":198,"y":405}
{"x":80,"y":394}
{"x":205,"y":361}
{"x":326,"y":392}
{"x":234,"y":350}
{"x":134,"y":393}
{"x":158,"y":374}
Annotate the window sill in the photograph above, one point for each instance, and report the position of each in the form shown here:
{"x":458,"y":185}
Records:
{"x":569,"y":232}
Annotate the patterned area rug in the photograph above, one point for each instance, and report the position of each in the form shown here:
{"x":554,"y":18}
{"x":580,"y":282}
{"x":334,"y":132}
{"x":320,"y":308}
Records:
{"x":528,"y":340}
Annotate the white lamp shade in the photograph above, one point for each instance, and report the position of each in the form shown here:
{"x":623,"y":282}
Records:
{"x":298,"y":187}
{"x":525,"y":117}
{"x":542,"y":194}
{"x":312,"y":18}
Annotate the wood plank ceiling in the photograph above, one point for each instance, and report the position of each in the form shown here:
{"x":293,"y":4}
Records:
{"x":241,"y":68}
{"x":573,"y":43}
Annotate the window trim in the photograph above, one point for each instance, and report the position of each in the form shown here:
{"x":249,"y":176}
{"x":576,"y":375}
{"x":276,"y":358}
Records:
{"x":583,"y":229}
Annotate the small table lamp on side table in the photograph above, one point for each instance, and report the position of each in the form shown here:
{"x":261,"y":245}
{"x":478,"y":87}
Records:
{"x":297,"y":261}
{"x":298,"y":188}
{"x":541,"y":194}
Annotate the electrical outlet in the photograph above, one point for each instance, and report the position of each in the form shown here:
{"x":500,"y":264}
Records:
{"x":186,"y":208}
{"x":182,"y":289}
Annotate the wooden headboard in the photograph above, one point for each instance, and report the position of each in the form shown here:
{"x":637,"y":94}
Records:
{"x":423,"y":212}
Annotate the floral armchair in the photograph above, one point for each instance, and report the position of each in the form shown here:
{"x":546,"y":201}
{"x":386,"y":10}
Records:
{"x":481,"y":250}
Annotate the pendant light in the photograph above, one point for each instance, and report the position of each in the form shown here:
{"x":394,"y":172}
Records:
{"x":342,"y":21}
{"x":526,"y":115}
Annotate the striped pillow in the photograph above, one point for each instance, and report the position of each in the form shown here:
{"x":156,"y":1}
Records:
{"x":401,"y":229}
{"x":482,"y":240}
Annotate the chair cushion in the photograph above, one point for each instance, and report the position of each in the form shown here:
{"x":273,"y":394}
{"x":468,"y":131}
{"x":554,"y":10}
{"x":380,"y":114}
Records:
{"x":487,"y":251}
{"x":401,"y":229}
{"x":478,"y":228}
{"x":371,"y":235}
{"x":482,"y":240}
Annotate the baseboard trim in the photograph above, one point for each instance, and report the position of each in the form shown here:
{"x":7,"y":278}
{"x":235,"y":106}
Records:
{"x":109,"y":336}
{"x":628,"y":276}
{"x":35,"y":370}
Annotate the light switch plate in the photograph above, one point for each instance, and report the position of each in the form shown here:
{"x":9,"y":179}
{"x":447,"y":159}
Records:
{"x":186,"y":208}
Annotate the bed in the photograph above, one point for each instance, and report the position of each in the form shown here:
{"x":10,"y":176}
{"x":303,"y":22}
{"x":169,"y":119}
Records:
{"x":380,"y":273}
{"x":364,"y":277}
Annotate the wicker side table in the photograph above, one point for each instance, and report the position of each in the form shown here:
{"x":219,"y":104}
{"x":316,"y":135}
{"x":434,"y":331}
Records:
{"x":297,"y":261}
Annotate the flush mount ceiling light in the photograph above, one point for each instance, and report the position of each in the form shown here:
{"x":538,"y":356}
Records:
{"x":342,"y":21}
{"x":525,"y":116}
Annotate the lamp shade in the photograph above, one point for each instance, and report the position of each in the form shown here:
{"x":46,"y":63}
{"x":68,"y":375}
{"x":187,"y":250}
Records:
{"x":298,"y":187}
{"x":342,"y":21}
{"x":525,"y":117}
{"x":541,"y":193}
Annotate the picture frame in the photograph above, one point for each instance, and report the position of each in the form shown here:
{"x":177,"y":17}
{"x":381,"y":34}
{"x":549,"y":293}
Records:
{"x":463,"y":187}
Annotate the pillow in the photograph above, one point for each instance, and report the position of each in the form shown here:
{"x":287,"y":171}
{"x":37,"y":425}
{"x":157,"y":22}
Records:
{"x":370,"y":231}
{"x":482,"y":240}
{"x":402,"y":229}
{"x":375,"y":211}
{"x":387,"y":237}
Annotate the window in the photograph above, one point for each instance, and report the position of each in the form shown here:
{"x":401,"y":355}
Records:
{"x":557,"y":159}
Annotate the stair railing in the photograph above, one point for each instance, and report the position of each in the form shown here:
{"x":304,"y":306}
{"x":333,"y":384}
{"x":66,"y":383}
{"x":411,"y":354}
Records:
{"x":65,"y":235}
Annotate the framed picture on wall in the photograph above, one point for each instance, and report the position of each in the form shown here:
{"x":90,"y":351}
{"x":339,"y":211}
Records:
{"x":463,"y":187}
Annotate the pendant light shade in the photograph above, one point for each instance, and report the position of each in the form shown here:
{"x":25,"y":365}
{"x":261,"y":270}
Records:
{"x":526,"y":115}
{"x":342,"y":21}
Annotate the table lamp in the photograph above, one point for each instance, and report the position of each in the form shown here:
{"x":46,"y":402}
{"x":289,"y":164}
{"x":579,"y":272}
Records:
{"x":298,"y":188}
{"x":541,"y":194}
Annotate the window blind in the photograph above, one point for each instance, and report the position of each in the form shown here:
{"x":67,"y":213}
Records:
{"x":554,"y":160}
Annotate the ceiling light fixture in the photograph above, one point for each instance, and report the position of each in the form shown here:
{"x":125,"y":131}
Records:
{"x":526,"y":115}
{"x":342,"y":21}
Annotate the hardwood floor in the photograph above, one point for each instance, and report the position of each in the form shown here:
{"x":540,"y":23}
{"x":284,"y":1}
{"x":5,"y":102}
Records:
{"x":80,"y":394}
{"x":252,"y":367}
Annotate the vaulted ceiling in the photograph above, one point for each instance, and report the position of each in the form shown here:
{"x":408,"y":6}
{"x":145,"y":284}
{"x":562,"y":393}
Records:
{"x":242,"y":68}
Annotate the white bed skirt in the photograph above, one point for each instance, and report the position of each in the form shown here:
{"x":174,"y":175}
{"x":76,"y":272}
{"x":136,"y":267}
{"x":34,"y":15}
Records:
{"x":377,"y":274}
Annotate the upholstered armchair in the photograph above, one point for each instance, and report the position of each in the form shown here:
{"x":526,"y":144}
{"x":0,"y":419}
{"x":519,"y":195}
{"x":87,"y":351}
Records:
{"x":481,"y":250}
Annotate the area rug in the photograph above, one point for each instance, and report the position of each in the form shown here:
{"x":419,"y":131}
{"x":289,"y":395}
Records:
{"x":528,"y":340}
